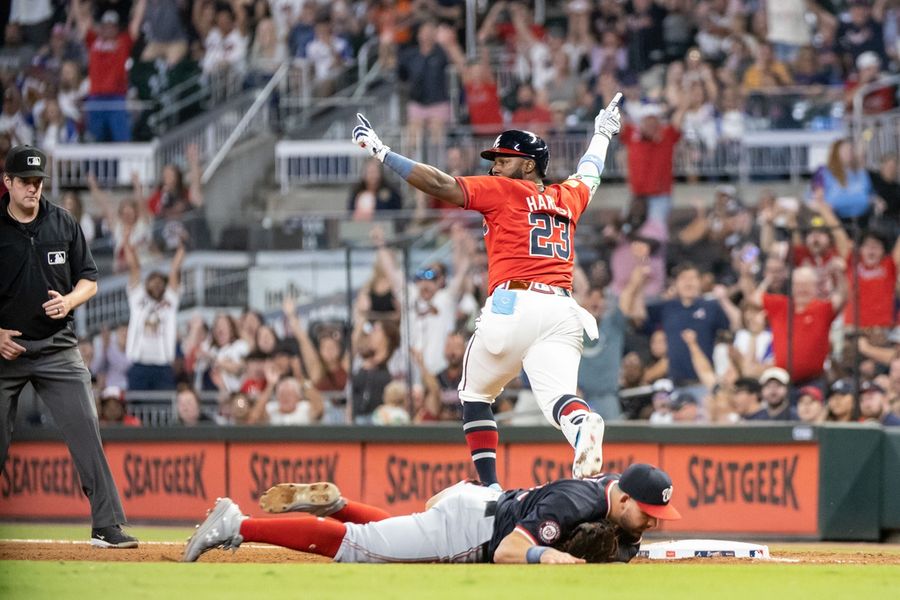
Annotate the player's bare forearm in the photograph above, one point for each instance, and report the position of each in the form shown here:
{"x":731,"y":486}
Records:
{"x":84,"y":290}
{"x":436,"y":184}
{"x":513,"y":549}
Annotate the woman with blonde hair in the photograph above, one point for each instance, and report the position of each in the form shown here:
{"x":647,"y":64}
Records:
{"x":845,"y":182}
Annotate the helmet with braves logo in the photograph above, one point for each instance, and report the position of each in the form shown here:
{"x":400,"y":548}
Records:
{"x":516,"y":142}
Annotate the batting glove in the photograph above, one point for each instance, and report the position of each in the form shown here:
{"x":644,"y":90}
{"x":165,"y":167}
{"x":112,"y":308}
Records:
{"x":608,"y":122}
{"x":367,"y":139}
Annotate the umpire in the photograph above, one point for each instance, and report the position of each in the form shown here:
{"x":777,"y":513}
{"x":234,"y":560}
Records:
{"x":46,"y":271}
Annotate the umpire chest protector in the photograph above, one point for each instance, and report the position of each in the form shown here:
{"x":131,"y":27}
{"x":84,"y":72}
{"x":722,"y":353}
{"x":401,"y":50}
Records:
{"x":48,"y":253}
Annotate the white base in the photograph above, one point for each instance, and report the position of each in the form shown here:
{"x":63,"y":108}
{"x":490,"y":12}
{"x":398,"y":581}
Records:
{"x":702,"y":549}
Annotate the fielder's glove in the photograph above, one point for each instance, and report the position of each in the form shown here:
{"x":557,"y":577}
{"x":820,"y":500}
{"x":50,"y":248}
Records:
{"x":367,"y":139}
{"x":595,"y":542}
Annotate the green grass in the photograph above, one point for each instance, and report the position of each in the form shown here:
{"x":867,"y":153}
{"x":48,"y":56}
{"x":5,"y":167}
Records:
{"x":211,"y":581}
{"x":35,"y":580}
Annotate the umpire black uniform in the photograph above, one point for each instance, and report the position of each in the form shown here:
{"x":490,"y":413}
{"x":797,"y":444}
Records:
{"x":46,"y":270}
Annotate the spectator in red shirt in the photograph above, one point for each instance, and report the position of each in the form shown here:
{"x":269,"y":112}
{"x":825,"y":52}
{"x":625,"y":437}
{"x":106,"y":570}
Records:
{"x":109,"y":48}
{"x":531,"y":111}
{"x":810,"y":323}
{"x":651,"y":148}
{"x":482,"y":98}
{"x":874,"y":283}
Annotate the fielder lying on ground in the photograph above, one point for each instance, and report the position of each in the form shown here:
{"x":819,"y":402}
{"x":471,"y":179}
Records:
{"x":598,"y":519}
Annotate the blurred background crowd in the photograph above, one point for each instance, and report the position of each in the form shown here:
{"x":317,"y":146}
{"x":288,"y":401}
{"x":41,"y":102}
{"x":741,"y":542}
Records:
{"x":734,"y":306}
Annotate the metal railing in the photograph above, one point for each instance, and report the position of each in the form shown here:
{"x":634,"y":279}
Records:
{"x":254,"y":121}
{"x":112,"y":164}
{"x":788,"y":154}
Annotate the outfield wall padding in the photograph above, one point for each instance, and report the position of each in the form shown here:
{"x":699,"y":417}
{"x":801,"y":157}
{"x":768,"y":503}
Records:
{"x":788,"y":481}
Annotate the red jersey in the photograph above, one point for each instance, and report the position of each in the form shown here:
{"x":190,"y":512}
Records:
{"x":484,"y":107}
{"x":810,"y":335}
{"x":106,"y":64}
{"x":650,"y":161}
{"x":528,"y":234}
{"x":875,"y":288}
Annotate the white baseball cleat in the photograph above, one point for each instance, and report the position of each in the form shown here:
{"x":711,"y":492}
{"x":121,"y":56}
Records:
{"x":589,"y":447}
{"x":221,"y":529}
{"x":320,"y":499}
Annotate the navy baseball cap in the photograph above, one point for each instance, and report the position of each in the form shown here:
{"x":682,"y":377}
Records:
{"x":25,"y":161}
{"x":651,"y":488}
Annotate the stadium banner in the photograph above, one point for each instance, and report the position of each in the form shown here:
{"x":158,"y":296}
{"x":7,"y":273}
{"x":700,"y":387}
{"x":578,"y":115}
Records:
{"x":40,"y":480}
{"x":744,"y":488}
{"x":181,"y":479}
{"x":255,"y":467}
{"x":400,"y":478}
{"x":528,"y":465}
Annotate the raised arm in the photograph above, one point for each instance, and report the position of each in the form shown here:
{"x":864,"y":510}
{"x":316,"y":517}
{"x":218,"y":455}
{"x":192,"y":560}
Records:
{"x":837,"y":269}
{"x":876,"y":353}
{"x":699,"y":361}
{"x":462,"y":259}
{"x":728,"y":307}
{"x":84,"y":20}
{"x":694,"y":231}
{"x":426,"y":178}
{"x":259,"y":414}
{"x":137,"y":19}
{"x":195,"y":175}
{"x":175,"y":268}
{"x":314,"y":396}
{"x":631,"y":300}
{"x":307,"y":350}
{"x":841,"y":240}
{"x":131,"y":259}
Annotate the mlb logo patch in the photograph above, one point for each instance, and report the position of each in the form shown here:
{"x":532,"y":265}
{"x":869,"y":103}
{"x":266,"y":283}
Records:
{"x":33,"y":161}
{"x":56,"y":258}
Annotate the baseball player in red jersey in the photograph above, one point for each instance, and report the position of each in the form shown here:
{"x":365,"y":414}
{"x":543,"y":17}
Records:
{"x":530,"y":320}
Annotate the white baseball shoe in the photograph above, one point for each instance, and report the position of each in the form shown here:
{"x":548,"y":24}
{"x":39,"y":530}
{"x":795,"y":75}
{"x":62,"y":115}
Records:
{"x":320,"y":499}
{"x":589,"y":447}
{"x":221,"y":529}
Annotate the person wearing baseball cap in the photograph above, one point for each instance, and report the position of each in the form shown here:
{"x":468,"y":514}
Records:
{"x":874,"y":405}
{"x":651,"y":490}
{"x":46,"y":272}
{"x":775,"y":394}
{"x":810,"y":404}
{"x":842,"y":404}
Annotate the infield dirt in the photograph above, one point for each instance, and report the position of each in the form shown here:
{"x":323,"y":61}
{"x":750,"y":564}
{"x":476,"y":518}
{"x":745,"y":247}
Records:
{"x":868,"y":554}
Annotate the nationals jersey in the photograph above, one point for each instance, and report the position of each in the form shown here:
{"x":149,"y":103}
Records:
{"x":528,"y":233}
{"x":547,"y":515}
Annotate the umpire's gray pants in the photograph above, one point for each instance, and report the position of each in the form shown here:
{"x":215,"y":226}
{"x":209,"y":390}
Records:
{"x":456,"y":529}
{"x":64,"y":384}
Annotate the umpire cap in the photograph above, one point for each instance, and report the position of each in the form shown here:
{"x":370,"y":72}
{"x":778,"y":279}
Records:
{"x":25,"y":161}
{"x":651,"y":488}
{"x":517,"y":142}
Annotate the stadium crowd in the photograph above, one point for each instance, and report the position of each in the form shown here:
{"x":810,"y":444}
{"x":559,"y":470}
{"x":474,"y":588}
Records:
{"x":768,"y":308}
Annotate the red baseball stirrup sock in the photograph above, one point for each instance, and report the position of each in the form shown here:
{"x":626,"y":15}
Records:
{"x":307,"y":534}
{"x":357,"y":512}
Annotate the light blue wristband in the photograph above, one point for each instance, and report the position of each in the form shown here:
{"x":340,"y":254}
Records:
{"x":400,"y":164}
{"x":533,"y":554}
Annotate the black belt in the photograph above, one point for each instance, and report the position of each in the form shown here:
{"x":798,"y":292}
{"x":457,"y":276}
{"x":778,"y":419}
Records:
{"x":535,"y":286}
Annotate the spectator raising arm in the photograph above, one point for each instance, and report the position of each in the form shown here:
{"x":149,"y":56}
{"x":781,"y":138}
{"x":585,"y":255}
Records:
{"x":175,"y":268}
{"x":728,"y":307}
{"x":837,"y":268}
{"x":195,"y":175}
{"x":700,"y":362}
{"x":841,"y":240}
{"x":131,"y":259}
{"x":259,"y":415}
{"x":631,"y":300}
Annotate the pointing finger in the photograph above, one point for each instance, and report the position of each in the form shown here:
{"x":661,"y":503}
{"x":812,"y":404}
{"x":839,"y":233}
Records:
{"x":363,"y":120}
{"x":614,"y":102}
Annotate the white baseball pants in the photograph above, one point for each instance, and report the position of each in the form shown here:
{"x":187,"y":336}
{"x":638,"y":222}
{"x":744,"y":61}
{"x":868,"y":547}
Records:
{"x":543,"y":335}
{"x":455,"y":530}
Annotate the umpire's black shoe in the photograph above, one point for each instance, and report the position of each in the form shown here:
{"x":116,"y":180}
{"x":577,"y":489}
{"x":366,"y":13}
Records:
{"x":112,"y":537}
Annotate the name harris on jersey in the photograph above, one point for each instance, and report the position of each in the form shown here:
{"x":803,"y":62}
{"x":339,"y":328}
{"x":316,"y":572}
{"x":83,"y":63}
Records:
{"x":544,"y":203}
